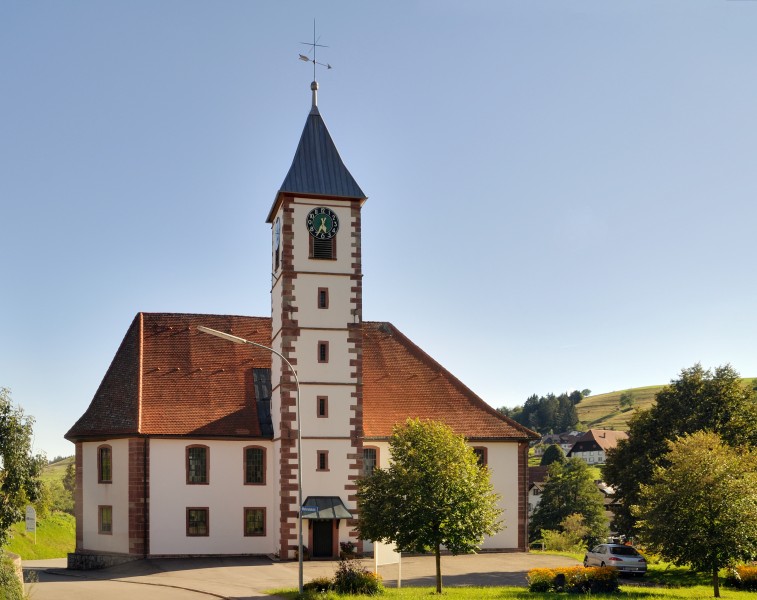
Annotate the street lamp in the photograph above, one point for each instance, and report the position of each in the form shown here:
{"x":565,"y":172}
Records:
{"x":238,"y":340}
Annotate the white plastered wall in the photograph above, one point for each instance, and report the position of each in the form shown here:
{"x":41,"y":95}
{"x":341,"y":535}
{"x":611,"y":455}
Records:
{"x":225,"y":496}
{"x":502,"y":458}
{"x":114,"y":494}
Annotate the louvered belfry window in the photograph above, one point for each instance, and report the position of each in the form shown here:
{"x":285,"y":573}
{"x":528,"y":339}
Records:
{"x":323,"y":249}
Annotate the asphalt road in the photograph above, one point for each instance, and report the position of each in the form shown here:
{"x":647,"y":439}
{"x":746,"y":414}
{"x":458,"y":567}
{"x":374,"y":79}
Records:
{"x":248,"y":578}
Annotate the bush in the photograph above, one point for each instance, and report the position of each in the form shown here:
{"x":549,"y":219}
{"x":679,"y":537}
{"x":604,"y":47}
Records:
{"x":559,"y":541}
{"x":742,"y":578}
{"x":351,"y":578}
{"x":319,"y":584}
{"x":574,"y":580}
{"x":11,"y":587}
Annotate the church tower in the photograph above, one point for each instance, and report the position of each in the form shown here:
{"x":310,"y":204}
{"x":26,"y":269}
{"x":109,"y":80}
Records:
{"x":316,"y":315}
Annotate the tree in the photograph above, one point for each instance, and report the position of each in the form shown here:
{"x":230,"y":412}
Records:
{"x":433,"y":494}
{"x":698,"y":400}
{"x":19,"y":470}
{"x":701,"y":509}
{"x":552,"y":454}
{"x":626,"y":400}
{"x":69,"y":479}
{"x":569,"y":490}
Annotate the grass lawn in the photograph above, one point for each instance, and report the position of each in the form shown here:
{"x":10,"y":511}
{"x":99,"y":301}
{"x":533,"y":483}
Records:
{"x":56,"y":537}
{"x":668,"y":582}
{"x":519,"y":593}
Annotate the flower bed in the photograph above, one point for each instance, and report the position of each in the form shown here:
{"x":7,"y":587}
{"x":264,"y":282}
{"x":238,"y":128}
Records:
{"x":576,"y":580}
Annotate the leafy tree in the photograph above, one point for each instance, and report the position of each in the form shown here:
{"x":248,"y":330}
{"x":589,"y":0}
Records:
{"x":626,"y":400}
{"x":433,"y":494}
{"x":19,"y":470}
{"x":569,"y":490}
{"x":585,"y":392}
{"x":552,"y":454}
{"x":701,"y":509}
{"x":698,"y":400}
{"x":69,"y":479}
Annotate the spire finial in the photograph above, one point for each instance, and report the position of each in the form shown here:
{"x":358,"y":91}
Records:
{"x":313,"y":45}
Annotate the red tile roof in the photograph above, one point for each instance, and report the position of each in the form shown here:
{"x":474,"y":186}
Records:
{"x":604,"y":438}
{"x":169,"y":379}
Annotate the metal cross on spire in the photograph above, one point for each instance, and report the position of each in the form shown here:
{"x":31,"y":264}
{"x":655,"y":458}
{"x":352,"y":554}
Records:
{"x":313,"y":45}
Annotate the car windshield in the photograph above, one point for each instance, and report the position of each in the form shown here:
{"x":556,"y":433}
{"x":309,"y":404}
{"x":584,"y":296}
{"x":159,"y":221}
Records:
{"x":624,"y":551}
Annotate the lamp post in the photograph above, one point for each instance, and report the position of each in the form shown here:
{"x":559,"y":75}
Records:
{"x":238,"y":340}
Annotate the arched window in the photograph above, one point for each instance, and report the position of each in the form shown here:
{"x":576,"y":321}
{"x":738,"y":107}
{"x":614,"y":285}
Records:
{"x":480,"y":452}
{"x":254,"y":465}
{"x":104,"y":464}
{"x":370,"y":460}
{"x":198,"y":461}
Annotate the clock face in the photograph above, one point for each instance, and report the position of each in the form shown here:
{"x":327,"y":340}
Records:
{"x":322,"y":223}
{"x":277,"y":233}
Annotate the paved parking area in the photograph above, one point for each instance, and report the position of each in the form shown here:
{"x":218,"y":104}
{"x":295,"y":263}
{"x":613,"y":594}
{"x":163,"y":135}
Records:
{"x":248,"y":578}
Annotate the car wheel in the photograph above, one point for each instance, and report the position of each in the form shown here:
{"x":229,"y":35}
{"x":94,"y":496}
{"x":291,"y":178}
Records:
{"x":603,"y":564}
{"x":586,"y":561}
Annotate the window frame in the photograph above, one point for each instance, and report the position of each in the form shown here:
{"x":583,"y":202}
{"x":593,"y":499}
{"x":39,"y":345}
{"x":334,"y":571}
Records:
{"x":325,"y":455}
{"x":323,"y":350}
{"x":322,"y":298}
{"x":322,"y":401}
{"x":100,"y":467}
{"x":207,"y":464}
{"x":204,"y":509}
{"x":101,"y":510}
{"x":311,"y":249}
{"x":244,"y":465}
{"x":482,"y":454}
{"x":377,"y":450}
{"x":265,"y":517}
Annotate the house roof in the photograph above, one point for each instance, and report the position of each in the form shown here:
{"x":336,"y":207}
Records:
{"x":604,"y":438}
{"x":168,"y":379}
{"x":537,"y":474}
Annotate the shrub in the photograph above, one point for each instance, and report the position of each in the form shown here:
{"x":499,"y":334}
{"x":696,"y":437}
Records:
{"x":351,"y":578}
{"x":540,"y":580}
{"x":319,"y":584}
{"x":11,"y":587}
{"x":743,"y":578}
{"x":574,"y":580}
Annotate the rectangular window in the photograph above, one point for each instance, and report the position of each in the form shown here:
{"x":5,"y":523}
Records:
{"x":323,"y":352}
{"x":104,"y":464}
{"x":323,"y":406}
{"x":254,"y":521}
{"x":105,"y":520}
{"x":254,"y":466}
{"x":370,"y":461}
{"x":197,"y":464}
{"x":323,"y":297}
{"x":323,"y":460}
{"x":323,"y":249}
{"x":197,"y":522}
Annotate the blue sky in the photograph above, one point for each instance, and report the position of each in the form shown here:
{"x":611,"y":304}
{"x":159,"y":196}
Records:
{"x":561,"y":193}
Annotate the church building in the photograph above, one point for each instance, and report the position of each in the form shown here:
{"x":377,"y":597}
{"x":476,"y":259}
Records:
{"x":189,"y":446}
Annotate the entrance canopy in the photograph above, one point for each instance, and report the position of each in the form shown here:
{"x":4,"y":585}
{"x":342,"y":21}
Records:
{"x":325,"y":507}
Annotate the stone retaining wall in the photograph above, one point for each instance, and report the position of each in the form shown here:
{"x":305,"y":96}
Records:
{"x":80,"y":561}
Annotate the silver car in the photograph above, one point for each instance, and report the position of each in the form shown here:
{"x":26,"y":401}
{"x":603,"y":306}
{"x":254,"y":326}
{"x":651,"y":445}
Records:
{"x":624,"y":558}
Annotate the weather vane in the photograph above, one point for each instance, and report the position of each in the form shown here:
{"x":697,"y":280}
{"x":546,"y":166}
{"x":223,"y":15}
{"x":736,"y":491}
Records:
{"x":313,"y":45}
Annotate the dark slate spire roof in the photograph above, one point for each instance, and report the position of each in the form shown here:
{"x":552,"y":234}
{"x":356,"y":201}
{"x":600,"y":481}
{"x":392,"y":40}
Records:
{"x":317,"y":167}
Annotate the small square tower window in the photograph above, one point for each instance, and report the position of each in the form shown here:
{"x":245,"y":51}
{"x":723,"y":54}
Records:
{"x":323,"y":352}
{"x":323,"y":406}
{"x":323,"y":460}
{"x":323,"y":297}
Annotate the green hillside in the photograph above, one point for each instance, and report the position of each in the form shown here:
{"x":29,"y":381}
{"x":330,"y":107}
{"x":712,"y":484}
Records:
{"x":57,"y":469}
{"x":603,"y":411}
{"x":56,"y":533}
